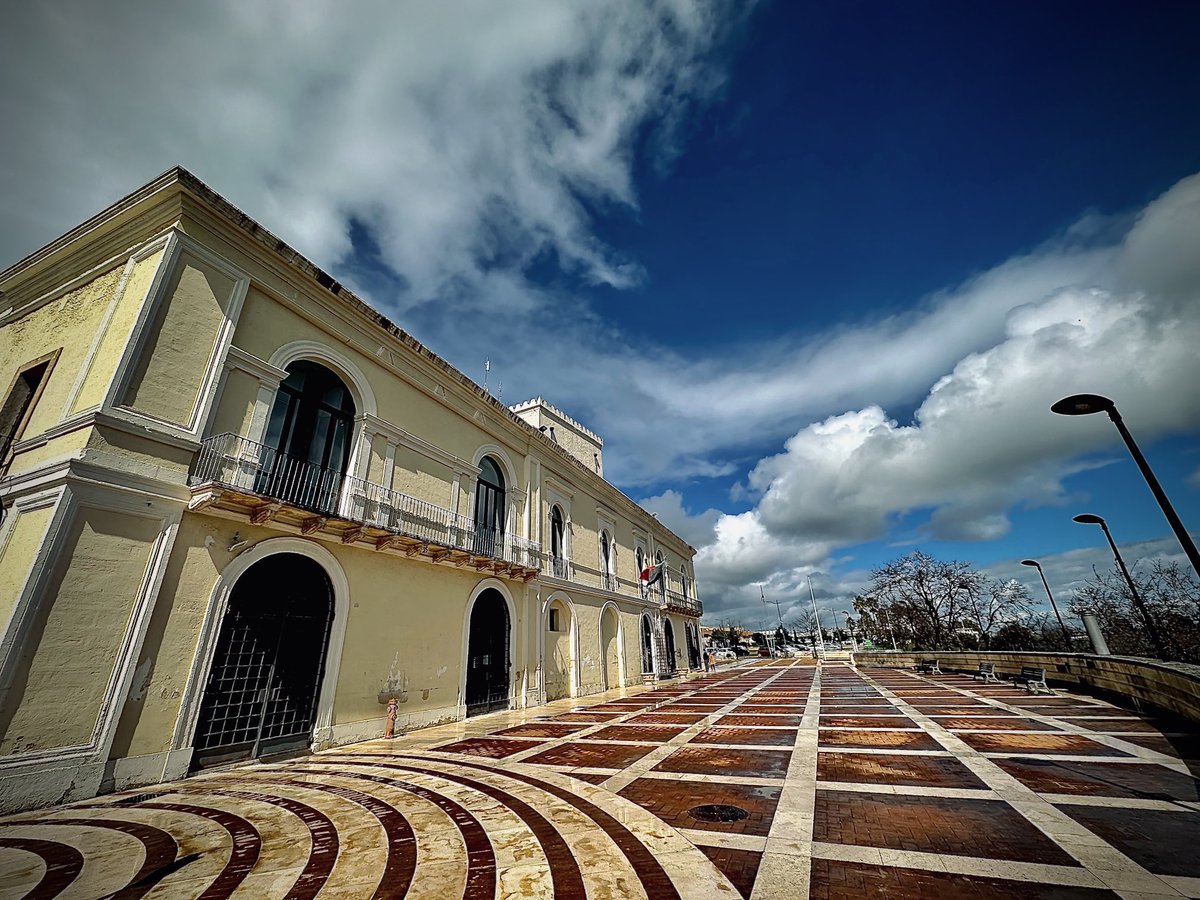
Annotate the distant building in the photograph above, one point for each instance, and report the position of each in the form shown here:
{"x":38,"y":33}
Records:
{"x":243,"y":512}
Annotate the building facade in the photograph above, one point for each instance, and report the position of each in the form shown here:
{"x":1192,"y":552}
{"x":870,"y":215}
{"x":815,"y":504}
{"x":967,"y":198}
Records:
{"x":246,"y":514}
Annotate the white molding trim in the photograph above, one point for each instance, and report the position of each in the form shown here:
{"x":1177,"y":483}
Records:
{"x":12,"y":313}
{"x":179,"y":244}
{"x":144,"y":252}
{"x":335,"y":359}
{"x":244,"y":361}
{"x":21,"y":505}
{"x":214,"y":617}
{"x":464,"y":659}
{"x":75,"y":498}
{"x":397,"y":435}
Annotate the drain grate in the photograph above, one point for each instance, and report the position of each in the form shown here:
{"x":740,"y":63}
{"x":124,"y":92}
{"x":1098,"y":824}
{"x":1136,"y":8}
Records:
{"x":134,"y":799}
{"x":718,"y":812}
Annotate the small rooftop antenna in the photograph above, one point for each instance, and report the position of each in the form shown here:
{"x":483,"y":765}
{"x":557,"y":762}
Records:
{"x":487,"y":368}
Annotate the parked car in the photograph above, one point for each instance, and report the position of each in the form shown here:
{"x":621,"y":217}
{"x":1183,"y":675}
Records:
{"x":724,"y":655}
{"x":764,"y":651}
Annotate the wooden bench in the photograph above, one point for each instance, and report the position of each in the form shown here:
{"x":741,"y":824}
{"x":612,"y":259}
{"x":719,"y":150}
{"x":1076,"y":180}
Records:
{"x":929,"y":666}
{"x":987,"y":671}
{"x":1033,"y":678}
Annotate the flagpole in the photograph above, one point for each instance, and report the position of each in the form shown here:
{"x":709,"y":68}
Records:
{"x":816,"y":612}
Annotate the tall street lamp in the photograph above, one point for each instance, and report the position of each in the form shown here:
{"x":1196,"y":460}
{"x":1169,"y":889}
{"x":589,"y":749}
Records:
{"x":1037,"y":565}
{"x":1086,"y":404}
{"x":1151,"y":628}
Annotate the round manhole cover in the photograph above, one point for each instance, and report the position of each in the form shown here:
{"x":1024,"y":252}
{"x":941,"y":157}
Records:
{"x":718,"y":812}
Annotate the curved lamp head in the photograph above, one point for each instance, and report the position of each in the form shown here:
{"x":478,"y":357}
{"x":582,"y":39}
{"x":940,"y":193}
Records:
{"x":1031,"y":562}
{"x":1088,"y":519}
{"x":1082,"y":405}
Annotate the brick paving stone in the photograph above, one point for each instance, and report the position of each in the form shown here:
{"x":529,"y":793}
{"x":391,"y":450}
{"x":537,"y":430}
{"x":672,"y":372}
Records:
{"x":994,"y":723}
{"x":1068,"y":744}
{"x":585,"y":717}
{"x":1163,"y":842}
{"x":739,"y":866}
{"x":883,"y":768}
{"x":540,"y":730}
{"x":663,"y":718}
{"x":1146,"y":781}
{"x":984,"y":828}
{"x":877,"y":740}
{"x":590,"y":777}
{"x":671,"y":800}
{"x":493,"y":748}
{"x":880,"y":721}
{"x":697,"y":760}
{"x":1115,"y":725}
{"x":653,"y":734}
{"x":856,"y":701}
{"x":1181,"y":746}
{"x":592,"y":756}
{"x":774,"y":737}
{"x":747,"y":721}
{"x":828,"y":710}
{"x":836,"y":880}
{"x":963,"y":710}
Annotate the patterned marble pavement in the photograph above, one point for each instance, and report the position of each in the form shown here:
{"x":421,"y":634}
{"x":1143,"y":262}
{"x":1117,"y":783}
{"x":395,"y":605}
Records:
{"x":778,"y":779}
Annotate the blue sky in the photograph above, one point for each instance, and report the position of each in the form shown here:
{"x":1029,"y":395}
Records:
{"x":815,"y":271}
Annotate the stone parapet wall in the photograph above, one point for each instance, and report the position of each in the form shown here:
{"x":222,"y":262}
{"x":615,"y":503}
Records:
{"x":1171,"y":686}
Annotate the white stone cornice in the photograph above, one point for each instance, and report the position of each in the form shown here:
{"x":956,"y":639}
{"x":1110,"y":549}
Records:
{"x":372,"y":424}
{"x":259,"y":368}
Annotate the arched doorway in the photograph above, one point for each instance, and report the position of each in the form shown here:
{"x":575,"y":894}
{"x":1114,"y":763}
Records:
{"x":261,"y":694}
{"x":647,"y":646}
{"x":610,"y":647}
{"x":560,"y":656}
{"x":693,"y":646}
{"x":308,"y":438}
{"x":669,"y":638}
{"x":488,"y":655}
{"x":489,"y":509}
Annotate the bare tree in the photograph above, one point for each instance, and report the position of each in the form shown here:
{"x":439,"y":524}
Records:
{"x":1171,"y":597}
{"x":989,"y":604}
{"x":925,"y":595}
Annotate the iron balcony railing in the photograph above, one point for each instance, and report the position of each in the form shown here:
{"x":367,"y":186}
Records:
{"x":683,"y":603}
{"x":237,"y":462}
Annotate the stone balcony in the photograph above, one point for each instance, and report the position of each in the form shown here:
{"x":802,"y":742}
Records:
{"x":243,"y":477}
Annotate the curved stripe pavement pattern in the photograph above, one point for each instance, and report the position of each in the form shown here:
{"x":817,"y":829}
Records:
{"x":776,"y":779}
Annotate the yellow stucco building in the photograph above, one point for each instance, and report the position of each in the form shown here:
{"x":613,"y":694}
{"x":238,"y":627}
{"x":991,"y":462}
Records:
{"x":242,"y":512}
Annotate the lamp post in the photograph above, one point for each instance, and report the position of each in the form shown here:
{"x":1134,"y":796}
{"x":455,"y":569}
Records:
{"x":1086,"y":404}
{"x":1151,"y":628}
{"x":1037,"y":565}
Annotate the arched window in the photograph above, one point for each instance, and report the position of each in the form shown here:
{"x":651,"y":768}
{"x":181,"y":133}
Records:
{"x":662,"y":581}
{"x":641,"y":567}
{"x":308,"y":437}
{"x":606,"y":562}
{"x":489,"y":508}
{"x":558,"y":555}
{"x":683,"y":581}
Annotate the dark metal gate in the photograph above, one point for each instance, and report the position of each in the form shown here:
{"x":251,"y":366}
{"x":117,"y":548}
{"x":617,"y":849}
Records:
{"x":487,"y":655}
{"x":647,"y":647}
{"x":669,"y":664}
{"x":262,"y":689}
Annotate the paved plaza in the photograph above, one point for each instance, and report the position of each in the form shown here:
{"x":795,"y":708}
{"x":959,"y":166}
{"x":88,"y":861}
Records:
{"x":781,"y":779}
